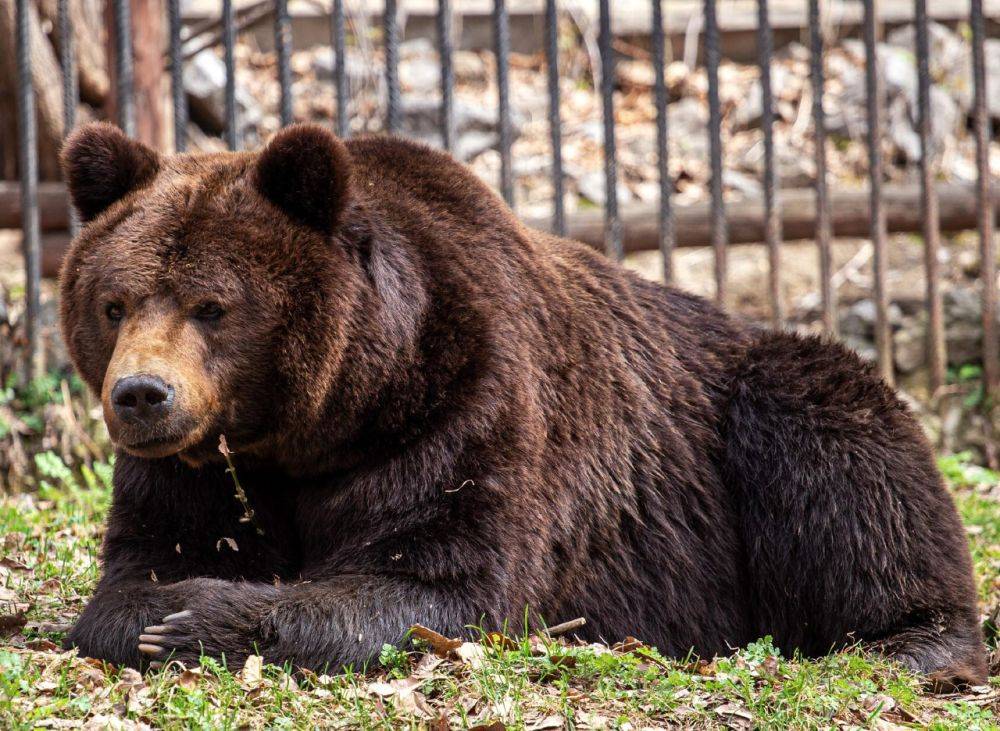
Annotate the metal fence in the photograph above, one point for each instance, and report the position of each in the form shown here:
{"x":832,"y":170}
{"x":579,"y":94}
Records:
{"x":613,"y":237}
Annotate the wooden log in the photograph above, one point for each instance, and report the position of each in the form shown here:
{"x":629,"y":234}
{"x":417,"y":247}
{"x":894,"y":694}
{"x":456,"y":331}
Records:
{"x":798,"y":217}
{"x":47,"y":82}
{"x":86,"y":17}
{"x":746,"y":218}
{"x":150,"y":43}
{"x":53,"y":205}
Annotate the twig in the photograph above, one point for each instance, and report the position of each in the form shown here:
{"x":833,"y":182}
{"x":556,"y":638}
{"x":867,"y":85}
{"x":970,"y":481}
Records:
{"x":248,"y":514}
{"x":561,"y":629}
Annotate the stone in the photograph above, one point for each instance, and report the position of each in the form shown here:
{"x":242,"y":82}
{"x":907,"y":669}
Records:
{"x":475,"y":126}
{"x":591,"y":186}
{"x":859,"y":321}
{"x":909,"y":346}
{"x":205,"y":85}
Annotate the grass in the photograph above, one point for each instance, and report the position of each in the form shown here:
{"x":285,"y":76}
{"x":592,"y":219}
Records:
{"x":51,"y":534}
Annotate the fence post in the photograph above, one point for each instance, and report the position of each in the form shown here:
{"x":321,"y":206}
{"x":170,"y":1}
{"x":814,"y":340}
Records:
{"x":720,"y":235}
{"x":987,"y":253}
{"x":28,"y":161}
{"x":665,"y":232}
{"x":824,"y":228}
{"x":501,"y":41}
{"x":612,"y":223}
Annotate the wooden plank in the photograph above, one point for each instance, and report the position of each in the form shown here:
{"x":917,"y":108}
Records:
{"x":641,"y":221}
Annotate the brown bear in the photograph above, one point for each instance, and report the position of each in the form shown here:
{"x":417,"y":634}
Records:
{"x":439,"y":416}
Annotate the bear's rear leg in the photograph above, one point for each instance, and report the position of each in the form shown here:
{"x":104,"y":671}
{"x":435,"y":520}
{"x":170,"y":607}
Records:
{"x":850,"y":534}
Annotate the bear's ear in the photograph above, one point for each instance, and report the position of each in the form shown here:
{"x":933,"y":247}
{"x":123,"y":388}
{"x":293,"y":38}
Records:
{"x":101,"y":165}
{"x":306,"y":171}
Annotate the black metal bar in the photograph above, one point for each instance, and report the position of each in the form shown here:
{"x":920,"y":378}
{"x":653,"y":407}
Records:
{"x":445,"y":50}
{"x":719,"y":232}
{"x":873,"y":89}
{"x":340,"y":70}
{"x":28,"y":161}
{"x":178,"y":96}
{"x":936,"y":353}
{"x":772,"y":218}
{"x":228,"y":43}
{"x":283,"y":47}
{"x":666,"y":222}
{"x":824,"y":228}
{"x":391,"y":31}
{"x":71,"y":86}
{"x":124,"y":76}
{"x":987,"y":246}
{"x":555,"y":117}
{"x":501,"y":42}
{"x":612,"y":221}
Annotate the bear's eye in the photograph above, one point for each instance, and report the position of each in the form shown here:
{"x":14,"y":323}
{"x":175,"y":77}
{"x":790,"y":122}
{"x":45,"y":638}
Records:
{"x":208,"y":311}
{"x":114,"y":311}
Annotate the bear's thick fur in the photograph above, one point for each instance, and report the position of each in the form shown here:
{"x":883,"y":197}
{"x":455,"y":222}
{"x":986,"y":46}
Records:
{"x":441,"y":417}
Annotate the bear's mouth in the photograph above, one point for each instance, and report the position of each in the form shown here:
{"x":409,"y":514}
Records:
{"x":156,"y":447}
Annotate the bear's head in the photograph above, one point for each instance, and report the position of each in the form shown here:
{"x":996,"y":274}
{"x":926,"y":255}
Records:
{"x":215,"y":293}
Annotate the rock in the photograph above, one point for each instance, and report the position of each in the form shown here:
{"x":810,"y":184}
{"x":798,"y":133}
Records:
{"x":358,"y":71}
{"x":898,"y":68}
{"x":638,"y":74}
{"x":962,"y":304}
{"x":687,"y":117}
{"x":591,"y":186}
{"x":469,"y":67}
{"x":419,"y":68}
{"x":909,"y":345}
{"x":950,"y":57}
{"x":963,"y":325}
{"x":419,"y":76}
{"x":742,"y":183}
{"x":900,"y":129}
{"x":750,"y":111}
{"x":205,"y":85}
{"x":475,"y":127}
{"x":964,"y":343}
{"x":862,"y":347}
{"x":859,"y":321}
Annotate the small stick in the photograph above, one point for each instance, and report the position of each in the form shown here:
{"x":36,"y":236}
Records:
{"x":561,"y":629}
{"x":248,"y":514}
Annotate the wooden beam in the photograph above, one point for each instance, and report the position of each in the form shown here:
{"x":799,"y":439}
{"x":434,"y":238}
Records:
{"x":798,"y":217}
{"x":52,"y":203}
{"x":746,"y":217}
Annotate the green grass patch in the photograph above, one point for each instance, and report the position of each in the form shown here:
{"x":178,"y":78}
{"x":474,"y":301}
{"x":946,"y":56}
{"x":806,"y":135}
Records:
{"x":49,"y":567}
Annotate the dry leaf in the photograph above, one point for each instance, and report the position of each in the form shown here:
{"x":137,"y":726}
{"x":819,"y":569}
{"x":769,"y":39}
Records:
{"x":252,"y":670}
{"x":440,"y":644}
{"x":189,"y":678}
{"x":228,"y":541}
{"x":546,"y":723}
{"x":471,"y":653}
{"x":426,"y":666}
{"x":10,"y":624}
{"x":42,"y":645}
{"x":733,"y":709}
{"x":50,"y":586}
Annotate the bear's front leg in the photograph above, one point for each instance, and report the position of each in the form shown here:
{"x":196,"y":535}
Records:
{"x":316,"y":625}
{"x":221,"y":619}
{"x":116,"y":614}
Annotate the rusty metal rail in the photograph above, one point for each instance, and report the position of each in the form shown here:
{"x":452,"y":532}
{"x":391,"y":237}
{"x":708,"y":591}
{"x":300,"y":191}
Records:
{"x":670,"y":226}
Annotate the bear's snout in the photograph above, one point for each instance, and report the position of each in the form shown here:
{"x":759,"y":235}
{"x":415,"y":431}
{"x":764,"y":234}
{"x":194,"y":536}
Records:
{"x":142,"y":400}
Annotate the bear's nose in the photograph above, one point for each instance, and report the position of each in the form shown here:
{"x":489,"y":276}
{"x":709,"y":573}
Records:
{"x":141,"y":399}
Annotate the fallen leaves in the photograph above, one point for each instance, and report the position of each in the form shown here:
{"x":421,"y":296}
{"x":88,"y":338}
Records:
{"x":11,"y":624}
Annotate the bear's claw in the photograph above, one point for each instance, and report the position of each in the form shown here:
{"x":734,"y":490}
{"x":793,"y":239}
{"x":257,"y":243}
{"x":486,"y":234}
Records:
{"x":155,"y":642}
